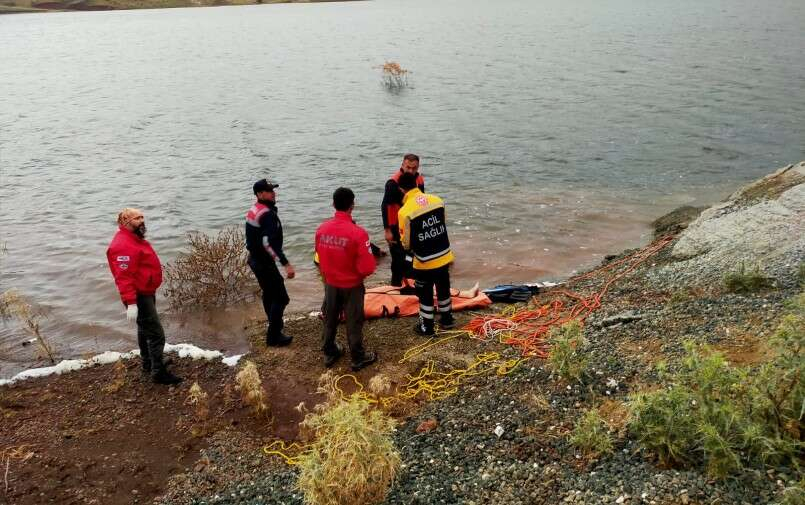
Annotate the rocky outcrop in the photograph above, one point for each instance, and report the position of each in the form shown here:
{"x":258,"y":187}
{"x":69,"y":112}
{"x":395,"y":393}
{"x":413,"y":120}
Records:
{"x":761,"y":226}
{"x":676,"y":220}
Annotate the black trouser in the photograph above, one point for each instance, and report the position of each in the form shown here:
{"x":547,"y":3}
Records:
{"x":425,"y":280}
{"x":150,"y":335}
{"x":351,"y":301}
{"x":400,"y":268}
{"x":275,"y":297}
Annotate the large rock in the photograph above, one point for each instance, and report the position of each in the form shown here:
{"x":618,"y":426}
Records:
{"x":762,"y":226}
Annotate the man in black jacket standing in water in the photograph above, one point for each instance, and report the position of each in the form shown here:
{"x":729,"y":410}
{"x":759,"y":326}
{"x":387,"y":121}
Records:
{"x":392,"y":201}
{"x":264,"y":243}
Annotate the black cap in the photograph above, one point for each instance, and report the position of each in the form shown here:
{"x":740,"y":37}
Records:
{"x":264,"y":185}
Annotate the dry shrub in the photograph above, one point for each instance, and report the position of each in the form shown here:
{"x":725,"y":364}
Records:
{"x":251,"y":389}
{"x":352,"y":459}
{"x":394,"y":76}
{"x":380,"y":385}
{"x":214,"y":273}
{"x":199,"y":399}
{"x":328,"y":386}
{"x":14,"y":306}
{"x":9,"y":454}
{"x":537,"y":400}
{"x":118,"y":378}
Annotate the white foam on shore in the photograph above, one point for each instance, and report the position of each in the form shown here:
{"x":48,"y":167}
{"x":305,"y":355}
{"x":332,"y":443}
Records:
{"x":232,"y":360}
{"x":108,"y":357}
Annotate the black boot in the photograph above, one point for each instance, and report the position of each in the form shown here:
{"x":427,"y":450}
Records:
{"x":447,"y":322}
{"x":331,"y":359}
{"x":163,"y":376}
{"x":277,"y":339}
{"x":423,"y":329}
{"x":368,"y":358}
{"x":146,"y":365}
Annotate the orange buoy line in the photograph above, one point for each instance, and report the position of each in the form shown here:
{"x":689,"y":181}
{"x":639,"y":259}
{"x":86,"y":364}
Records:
{"x":525,"y":328}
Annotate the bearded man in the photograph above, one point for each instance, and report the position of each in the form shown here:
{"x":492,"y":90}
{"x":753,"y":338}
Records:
{"x":138,"y":274}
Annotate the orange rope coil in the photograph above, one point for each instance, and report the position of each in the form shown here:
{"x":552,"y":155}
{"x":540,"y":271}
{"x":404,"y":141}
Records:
{"x":525,"y":328}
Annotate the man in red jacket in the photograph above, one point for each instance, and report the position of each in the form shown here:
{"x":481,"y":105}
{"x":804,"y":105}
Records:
{"x":138,"y":273}
{"x":345,"y":260}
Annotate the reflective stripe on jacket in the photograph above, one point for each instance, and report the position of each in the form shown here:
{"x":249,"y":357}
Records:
{"x":264,"y":234}
{"x":344,"y":252}
{"x":134,"y":265}
{"x":423,"y":230}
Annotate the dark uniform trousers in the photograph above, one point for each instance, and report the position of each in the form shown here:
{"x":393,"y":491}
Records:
{"x":275,"y":296}
{"x":400,"y":267}
{"x":425,"y":280}
{"x":350,"y":300}
{"x":150,"y":335}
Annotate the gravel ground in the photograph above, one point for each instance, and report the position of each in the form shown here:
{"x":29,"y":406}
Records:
{"x":645,"y":317}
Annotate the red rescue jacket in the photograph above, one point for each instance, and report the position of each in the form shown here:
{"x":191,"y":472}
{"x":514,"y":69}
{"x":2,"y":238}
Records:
{"x":134,"y":265}
{"x":344,"y":251}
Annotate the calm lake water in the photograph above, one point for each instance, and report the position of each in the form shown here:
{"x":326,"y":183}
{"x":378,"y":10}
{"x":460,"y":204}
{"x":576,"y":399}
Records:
{"x":554,"y":130}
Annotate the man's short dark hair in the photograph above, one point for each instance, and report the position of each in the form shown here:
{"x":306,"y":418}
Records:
{"x":407,"y":181}
{"x":343,"y":198}
{"x":411,"y":157}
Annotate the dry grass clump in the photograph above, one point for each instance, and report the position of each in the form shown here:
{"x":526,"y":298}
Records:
{"x":394,"y":76}
{"x":251,"y":389}
{"x":214,"y":273}
{"x":199,"y":400}
{"x":352,"y":458}
{"x":566,"y":358}
{"x":9,"y":454}
{"x":591,"y":434}
{"x":118,"y":378}
{"x":14,"y":306}
{"x":616,"y":414}
{"x":380,"y":384}
{"x":328,"y":386}
{"x":743,"y":281}
{"x":536,"y":399}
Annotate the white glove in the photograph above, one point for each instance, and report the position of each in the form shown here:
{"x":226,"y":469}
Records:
{"x":131,"y":313}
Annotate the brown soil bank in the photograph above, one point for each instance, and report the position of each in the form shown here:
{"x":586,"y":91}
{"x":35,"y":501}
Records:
{"x":11,"y":6}
{"x":107,"y":435}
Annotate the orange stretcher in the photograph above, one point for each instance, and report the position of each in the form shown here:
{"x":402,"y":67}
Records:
{"x":389,"y":301}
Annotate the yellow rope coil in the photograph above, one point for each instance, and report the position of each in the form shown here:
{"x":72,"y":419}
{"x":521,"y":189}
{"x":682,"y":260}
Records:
{"x":284,"y":450}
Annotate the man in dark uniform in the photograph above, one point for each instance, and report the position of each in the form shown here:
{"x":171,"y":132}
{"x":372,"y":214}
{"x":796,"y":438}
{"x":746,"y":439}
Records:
{"x":264,"y":243}
{"x":392,"y":202}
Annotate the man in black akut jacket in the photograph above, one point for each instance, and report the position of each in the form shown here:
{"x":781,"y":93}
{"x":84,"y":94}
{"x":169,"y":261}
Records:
{"x":392,"y":201}
{"x":264,"y":243}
